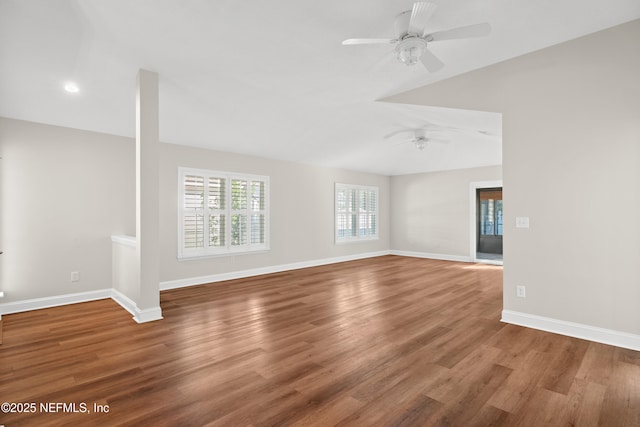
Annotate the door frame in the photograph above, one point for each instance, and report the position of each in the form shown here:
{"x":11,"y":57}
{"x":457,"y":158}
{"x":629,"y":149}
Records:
{"x":473,"y":219}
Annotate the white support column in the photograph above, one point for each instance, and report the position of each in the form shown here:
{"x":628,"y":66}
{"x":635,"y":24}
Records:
{"x":147,"y":197}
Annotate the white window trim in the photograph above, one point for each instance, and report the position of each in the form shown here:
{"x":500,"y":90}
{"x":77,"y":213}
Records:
{"x":353,"y":239}
{"x":228,"y":249}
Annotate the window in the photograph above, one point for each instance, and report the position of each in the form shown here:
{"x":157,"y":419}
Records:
{"x":491,"y":214}
{"x":356,"y":212}
{"x":222,"y":213}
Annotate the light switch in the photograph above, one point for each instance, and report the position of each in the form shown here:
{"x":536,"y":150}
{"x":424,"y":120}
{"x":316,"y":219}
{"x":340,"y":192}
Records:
{"x":522,"y":222}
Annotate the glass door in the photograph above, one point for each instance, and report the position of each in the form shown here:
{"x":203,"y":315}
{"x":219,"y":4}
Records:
{"x":490,"y":223}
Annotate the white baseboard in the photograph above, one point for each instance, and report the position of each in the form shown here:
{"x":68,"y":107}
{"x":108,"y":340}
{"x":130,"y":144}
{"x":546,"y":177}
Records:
{"x":139,"y":316}
{"x":445,"y":257}
{"x":191,"y":281}
{"x":54,"y":301}
{"x":124,"y":301}
{"x":488,"y":261}
{"x":576,"y":330}
{"x":148,"y":314}
{"x":442,"y":257}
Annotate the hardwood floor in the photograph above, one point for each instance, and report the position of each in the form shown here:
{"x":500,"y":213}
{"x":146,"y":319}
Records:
{"x":389,"y":341}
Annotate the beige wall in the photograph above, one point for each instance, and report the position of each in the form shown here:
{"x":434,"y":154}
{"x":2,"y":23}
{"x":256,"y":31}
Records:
{"x":571,"y":163}
{"x":430,"y":212}
{"x":301,"y":212}
{"x":64,"y":192}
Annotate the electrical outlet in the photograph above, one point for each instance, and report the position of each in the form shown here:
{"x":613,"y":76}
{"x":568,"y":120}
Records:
{"x":520,"y":292}
{"x":75,"y":276}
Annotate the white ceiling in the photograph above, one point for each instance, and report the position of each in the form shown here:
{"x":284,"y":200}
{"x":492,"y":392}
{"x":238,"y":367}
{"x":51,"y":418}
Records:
{"x":271,"y":78}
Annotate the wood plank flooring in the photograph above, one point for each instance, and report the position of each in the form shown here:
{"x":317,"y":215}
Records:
{"x":388,"y":341}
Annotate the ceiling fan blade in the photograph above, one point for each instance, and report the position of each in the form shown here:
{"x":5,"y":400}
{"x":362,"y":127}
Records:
{"x":368,"y":41}
{"x":420,"y":15}
{"x":475,"y":30}
{"x":430,"y":61}
{"x":398,"y":132}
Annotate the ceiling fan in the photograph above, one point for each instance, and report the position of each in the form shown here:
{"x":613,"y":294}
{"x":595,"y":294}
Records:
{"x":417,"y":137}
{"x":411,"y":43}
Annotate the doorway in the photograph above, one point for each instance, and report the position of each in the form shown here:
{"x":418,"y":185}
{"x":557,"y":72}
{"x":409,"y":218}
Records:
{"x":475,"y":210}
{"x":490,"y":226}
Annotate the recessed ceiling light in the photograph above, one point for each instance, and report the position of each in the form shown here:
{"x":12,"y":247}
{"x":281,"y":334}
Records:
{"x":71,"y":87}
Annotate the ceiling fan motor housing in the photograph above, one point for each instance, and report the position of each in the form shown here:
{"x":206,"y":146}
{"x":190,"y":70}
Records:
{"x":420,"y":142}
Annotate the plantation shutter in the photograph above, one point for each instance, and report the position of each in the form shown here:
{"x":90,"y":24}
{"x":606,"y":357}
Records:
{"x":217,"y":212}
{"x":356,"y":210}
{"x":222,"y":213}
{"x":258,"y":214}
{"x":193,"y":216}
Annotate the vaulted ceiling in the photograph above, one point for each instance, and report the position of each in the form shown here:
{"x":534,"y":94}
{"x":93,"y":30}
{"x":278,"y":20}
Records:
{"x":272,"y":79}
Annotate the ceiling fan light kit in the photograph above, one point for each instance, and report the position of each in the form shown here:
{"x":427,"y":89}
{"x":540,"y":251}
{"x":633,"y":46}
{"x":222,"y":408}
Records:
{"x":410,"y":50}
{"x":411,"y":43}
